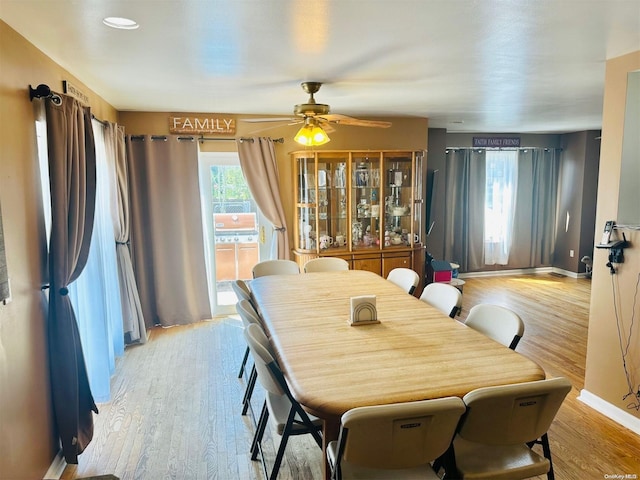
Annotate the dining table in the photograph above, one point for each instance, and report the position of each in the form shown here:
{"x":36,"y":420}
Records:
{"x":414,"y":352}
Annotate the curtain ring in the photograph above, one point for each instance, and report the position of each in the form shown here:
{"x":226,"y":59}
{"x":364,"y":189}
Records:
{"x":64,"y":291}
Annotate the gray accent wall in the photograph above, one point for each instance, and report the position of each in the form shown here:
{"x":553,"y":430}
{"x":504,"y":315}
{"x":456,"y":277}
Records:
{"x":577,"y":194}
{"x":577,"y":189}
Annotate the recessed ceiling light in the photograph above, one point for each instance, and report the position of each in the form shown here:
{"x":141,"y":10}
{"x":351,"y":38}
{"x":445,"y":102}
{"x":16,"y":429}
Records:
{"x":121,"y":23}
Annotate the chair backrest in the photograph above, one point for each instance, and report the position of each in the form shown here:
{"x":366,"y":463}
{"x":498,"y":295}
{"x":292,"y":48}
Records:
{"x":326,"y":264}
{"x":496,"y":322}
{"x":247,"y":313}
{"x":445,"y":297}
{"x":401,"y":435}
{"x":405,"y":278}
{"x":275,"y":267}
{"x":512,"y":414}
{"x":241,"y":290}
{"x":263,"y":357}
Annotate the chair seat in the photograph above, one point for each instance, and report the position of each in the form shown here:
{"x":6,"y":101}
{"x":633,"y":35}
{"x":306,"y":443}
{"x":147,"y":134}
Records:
{"x":279,"y":407}
{"x":355,"y":472}
{"x":489,"y":462}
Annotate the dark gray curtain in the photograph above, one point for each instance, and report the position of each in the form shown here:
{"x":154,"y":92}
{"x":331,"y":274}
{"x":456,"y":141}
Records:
{"x":72,"y":176}
{"x":535,"y":215}
{"x":536,"y":201}
{"x":167,"y":242}
{"x":464,"y":208}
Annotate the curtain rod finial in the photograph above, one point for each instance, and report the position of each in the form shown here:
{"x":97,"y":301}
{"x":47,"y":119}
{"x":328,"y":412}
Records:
{"x":43,"y":91}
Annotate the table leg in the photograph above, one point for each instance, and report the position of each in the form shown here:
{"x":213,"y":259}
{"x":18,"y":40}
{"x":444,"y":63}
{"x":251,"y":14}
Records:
{"x":330,"y":431}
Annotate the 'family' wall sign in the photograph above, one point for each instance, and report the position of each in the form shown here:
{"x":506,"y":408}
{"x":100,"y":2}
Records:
{"x":202,"y":124}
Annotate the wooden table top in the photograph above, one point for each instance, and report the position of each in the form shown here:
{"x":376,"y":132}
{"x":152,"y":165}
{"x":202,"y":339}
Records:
{"x":414,"y":353}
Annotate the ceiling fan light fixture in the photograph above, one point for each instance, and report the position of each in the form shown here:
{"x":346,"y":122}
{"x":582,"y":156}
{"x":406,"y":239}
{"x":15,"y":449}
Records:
{"x":311,"y":135}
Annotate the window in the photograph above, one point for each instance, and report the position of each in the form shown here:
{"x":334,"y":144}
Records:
{"x":500,"y":191}
{"x":95,"y":294}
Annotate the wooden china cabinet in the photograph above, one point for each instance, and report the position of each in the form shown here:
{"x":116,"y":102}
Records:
{"x":363,"y":206}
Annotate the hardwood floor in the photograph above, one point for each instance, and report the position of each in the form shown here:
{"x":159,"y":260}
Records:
{"x":175,"y":411}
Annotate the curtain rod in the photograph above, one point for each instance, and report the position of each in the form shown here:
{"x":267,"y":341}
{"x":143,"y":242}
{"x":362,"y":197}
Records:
{"x":241,"y":139}
{"x":44,"y":91}
{"x":503,"y":148}
{"x":202,"y":139}
{"x":104,"y":123}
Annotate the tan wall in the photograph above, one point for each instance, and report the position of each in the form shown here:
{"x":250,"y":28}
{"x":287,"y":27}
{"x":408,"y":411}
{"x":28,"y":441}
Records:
{"x":405,"y":133}
{"x":605,"y":376}
{"x":27,"y":440}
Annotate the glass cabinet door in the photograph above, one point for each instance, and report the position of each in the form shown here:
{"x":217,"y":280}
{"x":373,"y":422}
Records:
{"x":332,"y":202}
{"x":398,"y":200}
{"x":365,"y":201}
{"x":306,"y":205}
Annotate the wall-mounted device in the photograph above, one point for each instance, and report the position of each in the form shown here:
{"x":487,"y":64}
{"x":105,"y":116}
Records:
{"x":606,"y":235}
{"x":616,"y":247}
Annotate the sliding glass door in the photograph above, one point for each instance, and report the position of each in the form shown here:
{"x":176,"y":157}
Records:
{"x":237,"y":235}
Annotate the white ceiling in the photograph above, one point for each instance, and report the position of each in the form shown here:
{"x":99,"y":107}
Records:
{"x":494,"y":65}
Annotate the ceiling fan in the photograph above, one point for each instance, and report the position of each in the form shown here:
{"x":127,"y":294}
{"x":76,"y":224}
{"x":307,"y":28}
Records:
{"x":317,"y":119}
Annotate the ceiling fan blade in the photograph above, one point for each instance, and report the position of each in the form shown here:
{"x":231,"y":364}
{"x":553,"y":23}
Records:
{"x":346,"y":120}
{"x":270,"y":119}
{"x":327,"y":127}
{"x":268,"y":127}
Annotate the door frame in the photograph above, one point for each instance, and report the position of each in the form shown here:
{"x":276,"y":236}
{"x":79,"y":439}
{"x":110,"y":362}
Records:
{"x":205,"y":161}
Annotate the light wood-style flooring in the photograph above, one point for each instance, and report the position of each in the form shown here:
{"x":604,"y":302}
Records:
{"x":175,"y":411}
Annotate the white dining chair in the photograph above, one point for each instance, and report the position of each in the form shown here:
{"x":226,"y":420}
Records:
{"x":326,"y":264}
{"x":285,"y":413}
{"x":394,"y":441}
{"x":241,"y":290}
{"x":248,"y":316}
{"x":405,"y":278}
{"x":496,"y":322}
{"x":501,"y":424}
{"x":275,"y":267}
{"x":444,"y":297}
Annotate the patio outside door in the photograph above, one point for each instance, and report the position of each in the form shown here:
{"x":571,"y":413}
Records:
{"x":237,"y":235}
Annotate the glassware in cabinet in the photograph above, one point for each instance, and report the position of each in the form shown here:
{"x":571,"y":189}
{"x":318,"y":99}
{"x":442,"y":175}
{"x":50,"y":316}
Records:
{"x":322,"y":201}
{"x":399,"y":200}
{"x":333,"y":202}
{"x":357,"y":203}
{"x":365,"y":201}
{"x":306,"y":228}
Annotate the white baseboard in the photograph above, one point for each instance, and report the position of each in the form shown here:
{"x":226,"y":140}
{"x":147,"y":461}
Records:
{"x":504,"y":273}
{"x":567,"y":273}
{"x":56,"y":469}
{"x":523,"y":271}
{"x":611,"y":411}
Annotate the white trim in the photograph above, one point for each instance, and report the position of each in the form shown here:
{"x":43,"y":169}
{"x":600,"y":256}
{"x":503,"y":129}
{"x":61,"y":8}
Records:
{"x":611,"y":411}
{"x":502,"y":273}
{"x":566,"y":273}
{"x":56,"y":469}
{"x":522,"y":271}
